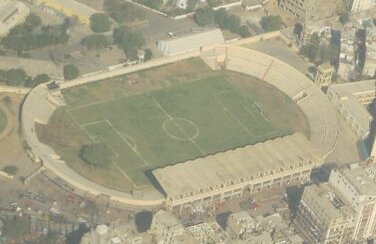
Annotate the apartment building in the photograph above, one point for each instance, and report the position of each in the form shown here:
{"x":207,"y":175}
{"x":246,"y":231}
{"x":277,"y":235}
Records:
{"x":357,"y":184}
{"x":324,"y":215}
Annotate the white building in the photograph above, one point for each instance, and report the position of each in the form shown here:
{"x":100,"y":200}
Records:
{"x":357,"y":184}
{"x":190,"y":43}
{"x":12,"y":13}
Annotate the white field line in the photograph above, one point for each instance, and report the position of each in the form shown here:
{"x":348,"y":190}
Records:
{"x":238,"y":121}
{"x":92,"y":138}
{"x":93,"y":123}
{"x":94,"y":103}
{"x":179,"y":127}
{"x":235,"y":118}
{"x":133,"y":148}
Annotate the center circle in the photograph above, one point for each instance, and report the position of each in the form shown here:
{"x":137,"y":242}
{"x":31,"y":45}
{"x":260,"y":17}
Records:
{"x":180,"y":129}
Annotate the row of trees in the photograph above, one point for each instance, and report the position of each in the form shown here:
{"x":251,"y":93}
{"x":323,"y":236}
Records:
{"x":208,"y":17}
{"x":32,"y":35}
{"x":18,"y":77}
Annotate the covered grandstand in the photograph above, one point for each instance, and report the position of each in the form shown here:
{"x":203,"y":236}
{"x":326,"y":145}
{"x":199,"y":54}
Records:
{"x":224,"y":175}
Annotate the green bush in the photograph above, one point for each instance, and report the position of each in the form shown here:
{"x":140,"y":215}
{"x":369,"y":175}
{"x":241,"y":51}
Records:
{"x":71,"y":72}
{"x":148,"y":55}
{"x":129,"y":41}
{"x":97,"y":155}
{"x":96,"y":41}
{"x":100,"y":22}
{"x":39,"y":79}
{"x":271,"y":23}
{"x":10,"y":169}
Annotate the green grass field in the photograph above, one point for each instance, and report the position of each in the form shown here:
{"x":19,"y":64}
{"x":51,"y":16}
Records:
{"x":182,"y":120}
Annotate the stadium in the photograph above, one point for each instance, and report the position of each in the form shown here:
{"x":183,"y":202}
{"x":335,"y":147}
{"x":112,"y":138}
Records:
{"x":202,"y":136}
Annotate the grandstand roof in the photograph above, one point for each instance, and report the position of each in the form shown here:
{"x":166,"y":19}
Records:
{"x":347,"y":92}
{"x":273,"y":155}
{"x":191,"y":42}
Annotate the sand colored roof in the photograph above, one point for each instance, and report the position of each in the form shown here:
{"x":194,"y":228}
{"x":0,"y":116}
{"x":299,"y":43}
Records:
{"x":328,"y":200}
{"x":347,"y":94}
{"x":211,"y":171}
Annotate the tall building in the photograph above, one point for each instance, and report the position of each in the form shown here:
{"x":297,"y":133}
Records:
{"x":360,"y":5}
{"x":324,"y":216}
{"x":357,"y":184}
{"x":167,"y":229}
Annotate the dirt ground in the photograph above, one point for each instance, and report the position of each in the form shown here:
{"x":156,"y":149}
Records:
{"x":11,"y":151}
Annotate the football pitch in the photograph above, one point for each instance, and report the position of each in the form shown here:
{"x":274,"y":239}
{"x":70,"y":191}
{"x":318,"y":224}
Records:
{"x":181,"y":122}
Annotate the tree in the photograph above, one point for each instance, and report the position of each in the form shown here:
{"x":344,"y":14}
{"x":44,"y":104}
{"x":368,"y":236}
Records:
{"x":129,"y":41}
{"x":271,"y":23}
{"x":298,"y":28}
{"x":233,"y":23}
{"x":96,"y":41}
{"x":309,"y":50}
{"x":315,"y":38}
{"x":243,"y":31}
{"x":97,"y":155}
{"x":70,"y":72}
{"x":344,"y":17}
{"x":39,"y":79}
{"x":122,"y":11}
{"x":7,"y":100}
{"x":10,"y":169}
{"x":15,"y":77}
{"x":99,"y":23}
{"x":148,"y":55}
{"x":34,"y":20}
{"x":204,"y":16}
{"x":221,"y":16}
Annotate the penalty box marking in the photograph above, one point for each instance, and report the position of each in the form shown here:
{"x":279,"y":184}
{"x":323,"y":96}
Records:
{"x":122,"y":137}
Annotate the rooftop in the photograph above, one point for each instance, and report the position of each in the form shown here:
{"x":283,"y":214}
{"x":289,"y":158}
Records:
{"x":363,"y":179}
{"x":327,"y":201}
{"x":250,"y":161}
{"x":6,"y":8}
{"x":191,"y":42}
{"x":347,"y":93}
